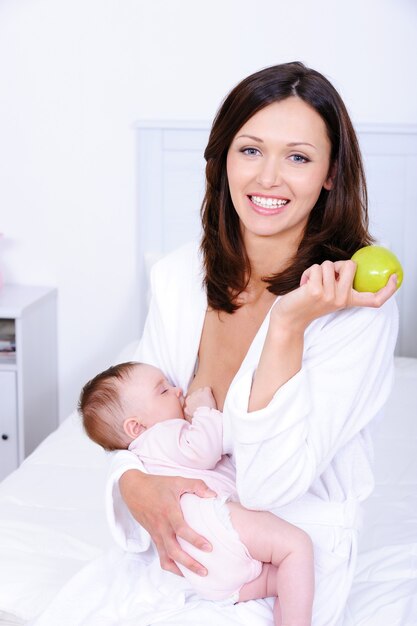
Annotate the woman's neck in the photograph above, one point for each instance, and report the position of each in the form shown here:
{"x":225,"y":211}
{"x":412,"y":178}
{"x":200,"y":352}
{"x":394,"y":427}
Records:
{"x":267,"y":256}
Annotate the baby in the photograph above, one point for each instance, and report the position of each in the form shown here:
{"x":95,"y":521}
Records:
{"x":255,"y":554}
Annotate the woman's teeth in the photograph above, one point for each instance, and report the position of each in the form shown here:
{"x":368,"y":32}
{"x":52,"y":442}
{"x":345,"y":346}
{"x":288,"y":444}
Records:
{"x":268,"y":203}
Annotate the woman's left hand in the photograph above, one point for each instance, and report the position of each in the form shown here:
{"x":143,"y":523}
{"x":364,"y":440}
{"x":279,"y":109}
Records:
{"x":324,"y":289}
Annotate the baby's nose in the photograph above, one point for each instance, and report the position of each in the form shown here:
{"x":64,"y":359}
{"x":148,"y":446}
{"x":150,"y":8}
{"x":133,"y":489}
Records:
{"x":178,"y":392}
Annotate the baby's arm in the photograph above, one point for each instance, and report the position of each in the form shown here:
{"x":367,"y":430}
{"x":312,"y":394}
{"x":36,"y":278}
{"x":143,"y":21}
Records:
{"x":196,"y":443}
{"x":198,"y":403}
{"x":200,"y":440}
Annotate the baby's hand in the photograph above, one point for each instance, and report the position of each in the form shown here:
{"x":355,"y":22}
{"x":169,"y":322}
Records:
{"x":200,"y":397}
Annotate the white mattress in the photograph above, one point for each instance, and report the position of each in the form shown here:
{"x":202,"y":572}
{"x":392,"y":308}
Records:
{"x":52,"y":519}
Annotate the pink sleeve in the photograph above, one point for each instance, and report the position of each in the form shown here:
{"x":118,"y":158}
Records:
{"x":198,"y":445}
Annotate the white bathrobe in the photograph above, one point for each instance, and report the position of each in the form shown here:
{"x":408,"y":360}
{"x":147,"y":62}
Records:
{"x":307,"y":456}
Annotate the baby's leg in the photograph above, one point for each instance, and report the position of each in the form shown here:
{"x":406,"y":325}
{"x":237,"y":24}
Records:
{"x":290,"y":576}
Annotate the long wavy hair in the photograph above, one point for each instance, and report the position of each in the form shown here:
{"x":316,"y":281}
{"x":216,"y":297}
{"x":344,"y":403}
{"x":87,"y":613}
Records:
{"x":338,"y":223}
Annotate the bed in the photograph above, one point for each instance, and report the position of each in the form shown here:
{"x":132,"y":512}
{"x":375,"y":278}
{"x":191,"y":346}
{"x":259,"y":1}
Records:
{"x":52,"y":520}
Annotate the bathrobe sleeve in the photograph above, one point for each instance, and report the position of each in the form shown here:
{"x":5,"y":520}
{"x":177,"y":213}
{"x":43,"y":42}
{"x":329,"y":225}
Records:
{"x":125,"y":529}
{"x":344,"y":381}
{"x":163,"y":346}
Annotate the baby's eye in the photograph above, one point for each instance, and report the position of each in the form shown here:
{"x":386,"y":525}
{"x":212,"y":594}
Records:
{"x":250,"y":151}
{"x":299,"y":158}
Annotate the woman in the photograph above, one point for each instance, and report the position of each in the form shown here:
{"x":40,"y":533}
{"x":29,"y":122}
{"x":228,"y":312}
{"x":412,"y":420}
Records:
{"x":284,"y":210}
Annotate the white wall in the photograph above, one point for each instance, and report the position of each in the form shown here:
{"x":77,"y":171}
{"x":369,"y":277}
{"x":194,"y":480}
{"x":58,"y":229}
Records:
{"x":75,"y":75}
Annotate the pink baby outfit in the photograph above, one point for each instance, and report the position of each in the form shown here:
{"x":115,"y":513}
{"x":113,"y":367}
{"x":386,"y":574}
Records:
{"x":178,"y":448}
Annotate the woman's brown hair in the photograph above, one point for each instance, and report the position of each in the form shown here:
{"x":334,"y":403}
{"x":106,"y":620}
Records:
{"x":338,"y":223}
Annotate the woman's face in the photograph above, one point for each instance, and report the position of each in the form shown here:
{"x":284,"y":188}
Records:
{"x":277,"y":165}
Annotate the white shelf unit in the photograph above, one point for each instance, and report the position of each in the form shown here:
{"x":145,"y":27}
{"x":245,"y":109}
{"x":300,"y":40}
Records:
{"x":29,"y":376}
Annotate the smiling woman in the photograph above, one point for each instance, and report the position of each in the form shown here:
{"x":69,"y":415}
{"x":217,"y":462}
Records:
{"x":284,"y":210}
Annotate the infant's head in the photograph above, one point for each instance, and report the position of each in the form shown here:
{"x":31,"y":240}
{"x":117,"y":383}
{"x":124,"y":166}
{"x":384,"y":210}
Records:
{"x":126,"y":399}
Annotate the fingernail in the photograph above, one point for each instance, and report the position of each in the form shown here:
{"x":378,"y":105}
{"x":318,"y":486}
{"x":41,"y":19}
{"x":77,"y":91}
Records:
{"x":206,"y":547}
{"x":202,"y":572}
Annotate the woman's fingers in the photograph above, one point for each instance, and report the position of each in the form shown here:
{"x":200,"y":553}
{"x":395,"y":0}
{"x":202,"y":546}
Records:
{"x":158,"y":510}
{"x":323,"y":281}
{"x":165,"y":561}
{"x":176,"y":526}
{"x":324,"y":289}
{"x":171,"y":524}
{"x":311,"y":275}
{"x":377,"y":299}
{"x":177,"y":554}
{"x":170,"y":551}
{"x":199,"y":488}
{"x":329,"y":280}
{"x":181,"y":557}
{"x":345,"y":273}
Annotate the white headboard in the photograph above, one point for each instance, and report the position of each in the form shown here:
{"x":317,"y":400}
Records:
{"x":170,"y":188}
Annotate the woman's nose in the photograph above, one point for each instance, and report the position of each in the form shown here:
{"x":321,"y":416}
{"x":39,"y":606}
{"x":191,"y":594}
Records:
{"x":270,"y":174}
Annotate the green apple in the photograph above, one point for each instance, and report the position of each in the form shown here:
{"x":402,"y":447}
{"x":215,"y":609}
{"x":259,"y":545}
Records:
{"x":375,"y":265}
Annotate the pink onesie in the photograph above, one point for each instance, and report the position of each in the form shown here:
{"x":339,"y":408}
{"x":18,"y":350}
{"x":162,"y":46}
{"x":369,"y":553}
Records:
{"x":178,"y":448}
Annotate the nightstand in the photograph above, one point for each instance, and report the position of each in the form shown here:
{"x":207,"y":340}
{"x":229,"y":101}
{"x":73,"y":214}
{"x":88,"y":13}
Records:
{"x":28,"y":371}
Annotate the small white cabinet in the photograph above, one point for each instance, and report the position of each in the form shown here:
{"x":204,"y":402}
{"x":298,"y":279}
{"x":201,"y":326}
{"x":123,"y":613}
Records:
{"x":28,"y":376}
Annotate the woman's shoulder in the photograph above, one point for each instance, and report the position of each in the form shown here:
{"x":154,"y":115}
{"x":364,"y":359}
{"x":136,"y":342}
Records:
{"x":185,"y":260}
{"x":179,"y":274}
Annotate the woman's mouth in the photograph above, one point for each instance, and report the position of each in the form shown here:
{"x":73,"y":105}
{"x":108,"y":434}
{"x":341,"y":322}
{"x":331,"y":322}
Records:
{"x":268,"y":205}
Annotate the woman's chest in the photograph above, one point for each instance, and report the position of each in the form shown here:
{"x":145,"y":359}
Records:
{"x":225,"y":341}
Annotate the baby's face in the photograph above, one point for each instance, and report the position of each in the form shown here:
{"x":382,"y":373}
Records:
{"x":148,"y":393}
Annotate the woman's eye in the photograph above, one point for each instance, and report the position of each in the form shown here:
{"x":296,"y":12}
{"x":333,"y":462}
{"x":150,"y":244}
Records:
{"x":250,"y":151}
{"x":299,"y":158}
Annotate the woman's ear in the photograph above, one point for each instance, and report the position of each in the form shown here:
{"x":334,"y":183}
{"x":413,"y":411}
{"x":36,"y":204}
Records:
{"x":328,"y":183}
{"x":132,"y":427}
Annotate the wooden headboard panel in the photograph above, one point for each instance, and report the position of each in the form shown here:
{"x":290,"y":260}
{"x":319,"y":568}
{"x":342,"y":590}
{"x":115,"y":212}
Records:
{"x":170,"y":188}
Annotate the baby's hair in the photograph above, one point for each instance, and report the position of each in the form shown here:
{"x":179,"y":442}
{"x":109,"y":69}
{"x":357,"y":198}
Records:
{"x":101,"y":406}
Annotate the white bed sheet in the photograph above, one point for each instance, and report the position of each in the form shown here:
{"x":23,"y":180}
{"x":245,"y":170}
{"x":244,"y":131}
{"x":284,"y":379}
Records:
{"x":384,"y":592}
{"x":52,"y":519}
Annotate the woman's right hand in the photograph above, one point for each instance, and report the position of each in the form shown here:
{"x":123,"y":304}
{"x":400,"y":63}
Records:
{"x":154,"y":501}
